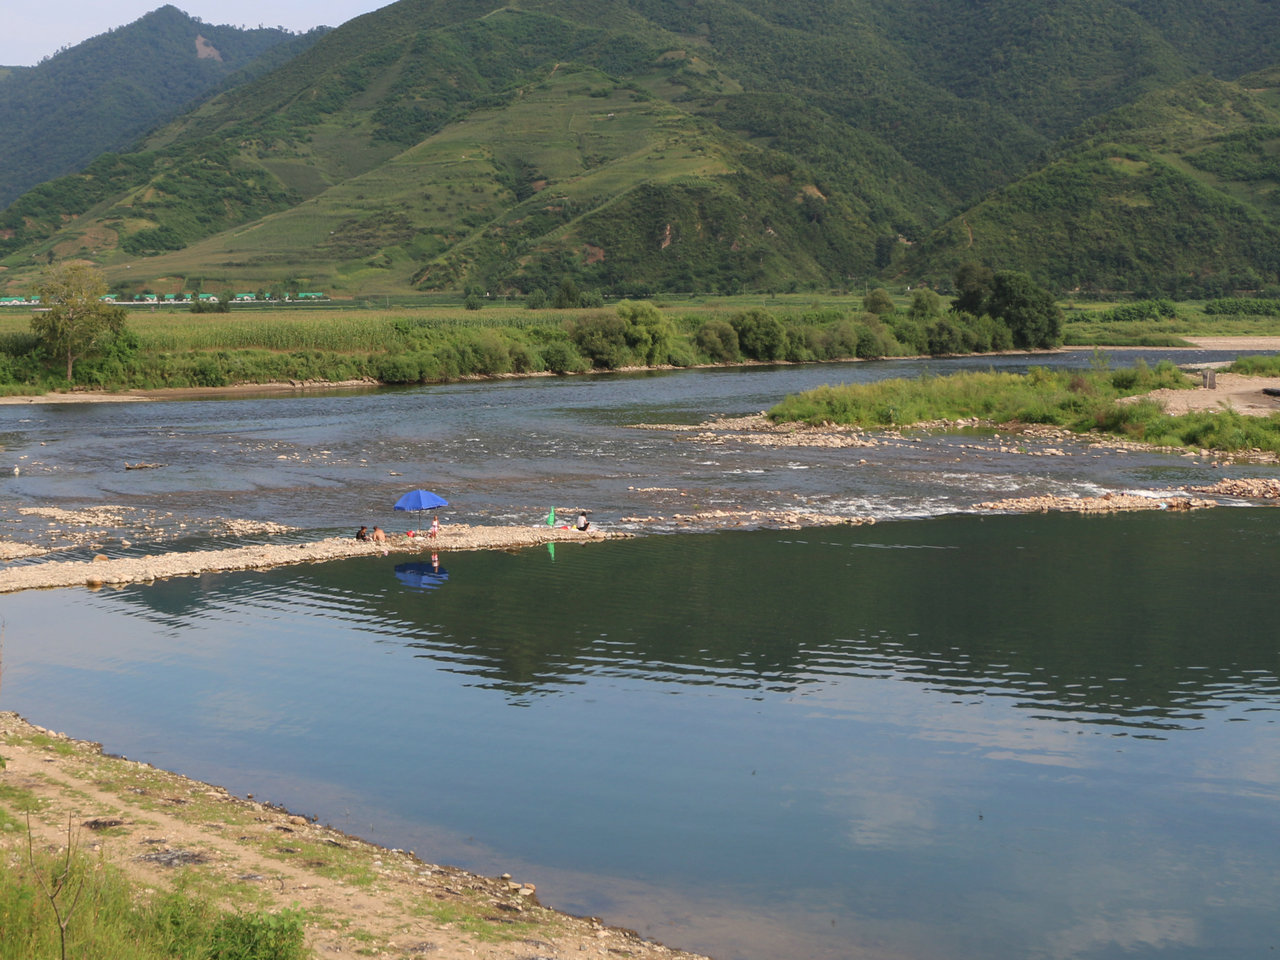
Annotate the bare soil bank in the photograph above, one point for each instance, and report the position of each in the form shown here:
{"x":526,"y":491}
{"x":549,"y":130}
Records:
{"x":1233,"y":392}
{"x":360,"y":899}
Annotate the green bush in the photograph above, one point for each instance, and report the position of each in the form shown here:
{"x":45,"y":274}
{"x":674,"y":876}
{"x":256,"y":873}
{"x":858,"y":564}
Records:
{"x":718,"y":341}
{"x":602,"y":339}
{"x":1243,"y":306}
{"x":399,"y":368}
{"x":1256,"y":366}
{"x":1141,"y":311}
{"x":760,"y":335}
{"x":257,"y":936}
{"x":560,"y":356}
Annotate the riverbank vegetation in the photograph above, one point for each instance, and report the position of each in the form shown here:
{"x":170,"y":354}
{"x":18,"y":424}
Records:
{"x":1084,"y":401}
{"x":436,"y":339}
{"x":172,"y":348}
{"x":71,"y":904}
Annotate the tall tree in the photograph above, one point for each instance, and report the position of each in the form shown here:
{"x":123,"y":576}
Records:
{"x":1026,"y":308}
{"x":973,"y":283}
{"x":878,"y":301}
{"x":76,"y":320}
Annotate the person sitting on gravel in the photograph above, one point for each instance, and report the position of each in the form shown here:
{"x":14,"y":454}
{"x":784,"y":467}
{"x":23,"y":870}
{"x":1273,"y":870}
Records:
{"x":583,"y":522}
{"x":362,"y":533}
{"x":379,"y":536}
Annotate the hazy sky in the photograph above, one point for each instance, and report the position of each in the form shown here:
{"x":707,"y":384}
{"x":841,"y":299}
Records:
{"x":33,"y":29}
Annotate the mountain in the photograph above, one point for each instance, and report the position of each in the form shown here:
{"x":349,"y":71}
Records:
{"x":1176,"y":194}
{"x":711,"y":145}
{"x":104,"y":93}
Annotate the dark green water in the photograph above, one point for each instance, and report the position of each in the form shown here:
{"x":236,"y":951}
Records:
{"x":966,"y":737}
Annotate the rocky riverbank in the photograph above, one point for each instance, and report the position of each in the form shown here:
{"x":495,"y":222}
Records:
{"x":1245,"y":488}
{"x":359,"y":899}
{"x":1107,"y":503}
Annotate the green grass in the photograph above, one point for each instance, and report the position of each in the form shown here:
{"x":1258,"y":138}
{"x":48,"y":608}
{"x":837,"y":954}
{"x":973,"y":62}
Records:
{"x":1040,"y":396}
{"x":1256,"y":366}
{"x":61,"y":747}
{"x":1084,"y":402}
{"x":15,"y":804}
{"x":107,"y":915}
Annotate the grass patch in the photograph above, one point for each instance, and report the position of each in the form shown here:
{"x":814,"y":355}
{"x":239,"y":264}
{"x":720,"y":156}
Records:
{"x":17,"y":800}
{"x":1085,"y":402}
{"x":63,"y":748}
{"x":482,"y":921}
{"x":1256,"y":366}
{"x":106,"y":915}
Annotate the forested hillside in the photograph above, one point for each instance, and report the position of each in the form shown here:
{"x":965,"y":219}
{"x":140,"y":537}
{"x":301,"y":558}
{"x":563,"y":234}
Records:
{"x":708,"y":145}
{"x":1177,"y":194}
{"x":104,"y":93}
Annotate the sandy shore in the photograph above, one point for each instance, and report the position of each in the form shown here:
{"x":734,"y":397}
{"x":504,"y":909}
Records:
{"x":193,"y":393}
{"x":361,"y":899}
{"x":1239,"y":344}
{"x":1233,"y":392}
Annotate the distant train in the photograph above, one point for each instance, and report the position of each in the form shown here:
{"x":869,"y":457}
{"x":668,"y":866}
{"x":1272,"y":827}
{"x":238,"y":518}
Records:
{"x":143,"y":299}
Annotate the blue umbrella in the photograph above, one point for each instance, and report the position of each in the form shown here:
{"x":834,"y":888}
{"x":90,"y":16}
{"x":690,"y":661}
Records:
{"x":420,"y":500}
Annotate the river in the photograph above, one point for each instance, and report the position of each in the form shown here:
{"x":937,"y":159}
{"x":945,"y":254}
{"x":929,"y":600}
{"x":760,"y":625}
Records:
{"x":953,"y":735}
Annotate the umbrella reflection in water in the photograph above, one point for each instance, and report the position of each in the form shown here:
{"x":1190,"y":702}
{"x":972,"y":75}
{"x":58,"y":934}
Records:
{"x":421,"y":574}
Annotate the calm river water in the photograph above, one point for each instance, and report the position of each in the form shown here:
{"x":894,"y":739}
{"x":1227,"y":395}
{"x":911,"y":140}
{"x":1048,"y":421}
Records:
{"x":949,"y":736}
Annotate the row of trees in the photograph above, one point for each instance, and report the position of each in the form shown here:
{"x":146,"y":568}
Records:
{"x":1025,"y":311}
{"x":994,"y":311}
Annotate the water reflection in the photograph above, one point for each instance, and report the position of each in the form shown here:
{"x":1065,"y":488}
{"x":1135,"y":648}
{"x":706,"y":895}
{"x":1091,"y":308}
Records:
{"x":1071,"y":619}
{"x":422,"y":574}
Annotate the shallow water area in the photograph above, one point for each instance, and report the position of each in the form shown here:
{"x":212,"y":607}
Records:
{"x":507,"y":451}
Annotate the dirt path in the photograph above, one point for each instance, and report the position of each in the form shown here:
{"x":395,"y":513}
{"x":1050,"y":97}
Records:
{"x":360,"y":898}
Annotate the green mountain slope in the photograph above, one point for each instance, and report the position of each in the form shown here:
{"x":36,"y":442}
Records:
{"x":1178,"y":193}
{"x":703,"y":145}
{"x":104,"y":93}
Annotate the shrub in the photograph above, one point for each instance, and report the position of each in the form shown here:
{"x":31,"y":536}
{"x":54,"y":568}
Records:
{"x":879,"y":302}
{"x":944,"y":336}
{"x":399,"y":368}
{"x":1139,"y":311}
{"x":1256,"y":366}
{"x":558,"y":356}
{"x":719,"y":341}
{"x":875,"y":341}
{"x":760,"y":336}
{"x":602,"y":339}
